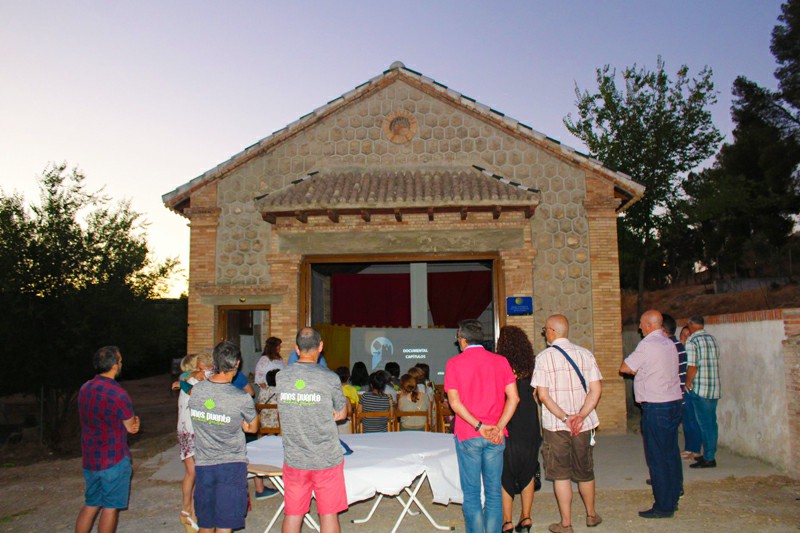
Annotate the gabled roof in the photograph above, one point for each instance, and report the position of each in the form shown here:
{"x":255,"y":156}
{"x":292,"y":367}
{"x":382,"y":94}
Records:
{"x":397,"y":192}
{"x":627,"y":189}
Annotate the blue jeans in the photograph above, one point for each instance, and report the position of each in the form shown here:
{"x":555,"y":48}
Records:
{"x":478,"y":458}
{"x":660,"y":423}
{"x":705,"y":411}
{"x":691,"y":430}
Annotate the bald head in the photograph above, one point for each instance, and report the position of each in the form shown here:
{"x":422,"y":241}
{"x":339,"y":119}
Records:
{"x":651,"y":320}
{"x":556,"y":327}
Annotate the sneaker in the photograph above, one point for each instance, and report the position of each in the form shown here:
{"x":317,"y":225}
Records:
{"x":267,"y":493}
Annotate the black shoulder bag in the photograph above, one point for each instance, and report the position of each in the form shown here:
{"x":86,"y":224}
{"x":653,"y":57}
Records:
{"x":580,"y":376}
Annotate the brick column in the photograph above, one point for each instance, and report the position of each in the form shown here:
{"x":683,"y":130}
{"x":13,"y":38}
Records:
{"x":518,"y":280}
{"x":203,"y":216}
{"x":601,"y":213}
{"x":791,"y":358}
{"x":285,"y":271}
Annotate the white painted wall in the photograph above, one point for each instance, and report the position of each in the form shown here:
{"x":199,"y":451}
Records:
{"x":752,"y":413}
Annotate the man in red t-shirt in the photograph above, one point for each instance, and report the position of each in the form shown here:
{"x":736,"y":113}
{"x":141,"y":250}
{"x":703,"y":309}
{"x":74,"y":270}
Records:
{"x":107,"y":417}
{"x":482,"y":392}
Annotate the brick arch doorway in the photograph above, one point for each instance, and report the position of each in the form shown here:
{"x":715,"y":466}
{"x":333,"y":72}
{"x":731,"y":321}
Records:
{"x":311,"y":286}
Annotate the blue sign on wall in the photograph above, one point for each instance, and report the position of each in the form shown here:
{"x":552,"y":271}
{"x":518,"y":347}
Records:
{"x":519,"y":305}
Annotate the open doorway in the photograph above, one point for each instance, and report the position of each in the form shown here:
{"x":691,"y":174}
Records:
{"x":403,"y":296}
{"x":247,"y":327}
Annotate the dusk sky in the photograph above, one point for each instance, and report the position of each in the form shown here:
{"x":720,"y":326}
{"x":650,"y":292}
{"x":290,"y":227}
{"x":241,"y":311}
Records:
{"x":144,"y":96}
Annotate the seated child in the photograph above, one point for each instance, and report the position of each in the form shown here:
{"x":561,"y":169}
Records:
{"x":410,"y":399}
{"x":352,"y":396}
{"x":376,"y":400}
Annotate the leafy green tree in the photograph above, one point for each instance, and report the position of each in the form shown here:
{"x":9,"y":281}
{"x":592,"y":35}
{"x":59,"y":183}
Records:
{"x":76,"y":275}
{"x":744,"y":207}
{"x":654,"y":129}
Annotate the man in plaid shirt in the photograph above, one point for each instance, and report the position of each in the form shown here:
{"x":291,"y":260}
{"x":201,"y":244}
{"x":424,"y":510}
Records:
{"x":703,"y":387}
{"x":568,"y":419}
{"x":106,"y":417}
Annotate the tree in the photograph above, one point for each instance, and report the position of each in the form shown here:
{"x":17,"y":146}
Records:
{"x":786,"y":49}
{"x":76,"y":275}
{"x":744,"y":207}
{"x":655,"y":130}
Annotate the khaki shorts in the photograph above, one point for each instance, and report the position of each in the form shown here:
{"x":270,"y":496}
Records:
{"x":567,"y":457}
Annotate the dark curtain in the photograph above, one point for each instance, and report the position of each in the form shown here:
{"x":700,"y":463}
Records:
{"x":371,"y":300}
{"x":454,"y":296}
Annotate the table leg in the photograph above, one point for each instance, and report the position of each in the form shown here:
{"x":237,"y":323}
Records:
{"x":371,"y":512}
{"x":402,"y":503}
{"x":413,"y":498}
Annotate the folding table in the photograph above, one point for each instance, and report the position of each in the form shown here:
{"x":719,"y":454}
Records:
{"x":384,"y":464}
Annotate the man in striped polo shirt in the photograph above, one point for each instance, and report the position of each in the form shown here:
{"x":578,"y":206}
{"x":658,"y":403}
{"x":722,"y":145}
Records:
{"x":703,"y":386}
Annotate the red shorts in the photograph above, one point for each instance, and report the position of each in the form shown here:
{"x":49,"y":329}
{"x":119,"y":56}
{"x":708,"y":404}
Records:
{"x":327,"y":485}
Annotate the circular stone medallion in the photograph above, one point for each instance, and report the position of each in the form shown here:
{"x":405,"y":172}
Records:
{"x":400,"y":126}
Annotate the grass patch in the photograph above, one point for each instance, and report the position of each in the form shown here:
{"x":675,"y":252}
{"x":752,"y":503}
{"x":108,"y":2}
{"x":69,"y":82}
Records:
{"x":9,"y":518}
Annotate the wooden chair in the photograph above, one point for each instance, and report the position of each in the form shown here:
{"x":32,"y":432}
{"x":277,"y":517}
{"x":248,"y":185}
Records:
{"x":438,"y":391}
{"x":400,"y":414}
{"x":443,"y":411}
{"x":359,"y":416}
{"x":262,"y":430}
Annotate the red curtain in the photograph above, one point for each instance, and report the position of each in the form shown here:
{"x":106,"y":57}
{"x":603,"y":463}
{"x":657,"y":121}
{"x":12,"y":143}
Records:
{"x":371,"y":300}
{"x":454,"y":296}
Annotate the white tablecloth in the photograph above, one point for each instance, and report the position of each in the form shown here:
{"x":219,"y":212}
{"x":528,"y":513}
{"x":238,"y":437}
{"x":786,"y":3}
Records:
{"x":385,"y":463}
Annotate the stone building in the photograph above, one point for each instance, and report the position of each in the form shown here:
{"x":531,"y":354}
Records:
{"x":403,"y":169}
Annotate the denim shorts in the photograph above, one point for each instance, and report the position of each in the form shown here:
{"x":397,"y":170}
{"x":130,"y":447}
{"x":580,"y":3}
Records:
{"x":220,"y":495}
{"x":109,"y":488}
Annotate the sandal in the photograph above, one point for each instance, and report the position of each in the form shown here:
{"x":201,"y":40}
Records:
{"x":503,"y":528}
{"x":188,"y":523}
{"x":527,"y":527}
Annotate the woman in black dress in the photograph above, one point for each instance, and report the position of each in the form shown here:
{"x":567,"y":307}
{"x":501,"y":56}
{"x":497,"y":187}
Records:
{"x":521,"y":456}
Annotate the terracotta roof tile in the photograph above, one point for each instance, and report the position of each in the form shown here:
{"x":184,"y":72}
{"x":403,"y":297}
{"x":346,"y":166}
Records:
{"x":387,"y":189}
{"x":632,"y":190}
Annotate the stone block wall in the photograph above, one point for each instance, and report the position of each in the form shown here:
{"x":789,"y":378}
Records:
{"x":566,"y":255}
{"x":446,"y":136}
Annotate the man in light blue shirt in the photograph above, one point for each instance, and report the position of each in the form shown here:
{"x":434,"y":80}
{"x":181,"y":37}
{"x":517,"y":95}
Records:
{"x":293,"y":359}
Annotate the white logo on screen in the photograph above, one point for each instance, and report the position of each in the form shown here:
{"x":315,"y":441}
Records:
{"x":381,"y":348}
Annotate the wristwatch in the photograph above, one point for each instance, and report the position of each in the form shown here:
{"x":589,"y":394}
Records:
{"x":478,"y":427}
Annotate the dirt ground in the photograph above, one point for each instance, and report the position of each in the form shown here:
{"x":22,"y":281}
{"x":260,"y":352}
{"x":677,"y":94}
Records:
{"x":684,"y":301}
{"x":46,"y":495}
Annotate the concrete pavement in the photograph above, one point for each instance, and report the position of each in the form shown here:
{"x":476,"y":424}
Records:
{"x":619,"y":464}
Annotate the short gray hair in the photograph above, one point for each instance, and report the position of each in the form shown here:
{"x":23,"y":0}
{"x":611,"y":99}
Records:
{"x":226,"y":355}
{"x":697,"y":319}
{"x":308,"y":339}
{"x":105,"y":358}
